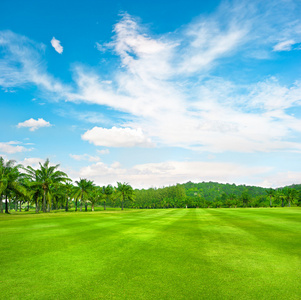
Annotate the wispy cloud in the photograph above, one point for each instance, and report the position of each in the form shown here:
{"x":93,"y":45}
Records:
{"x":12,"y":147}
{"x":33,"y":124}
{"x":21,"y":63}
{"x":166,"y":173}
{"x":284,"y":46}
{"x":85,"y":156}
{"x":56,"y":44}
{"x":165,"y":83}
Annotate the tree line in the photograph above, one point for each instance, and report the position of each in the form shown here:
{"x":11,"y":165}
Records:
{"x":47,"y":188}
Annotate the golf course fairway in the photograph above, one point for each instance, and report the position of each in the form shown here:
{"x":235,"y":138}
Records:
{"x":152,"y":254}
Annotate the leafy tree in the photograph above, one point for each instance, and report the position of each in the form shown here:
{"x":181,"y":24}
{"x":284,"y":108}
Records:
{"x":108,"y":193}
{"x":245,"y":197}
{"x":46,"y":177}
{"x":271,"y":194}
{"x":95,"y":196}
{"x":9,"y":180}
{"x":125,"y":191}
{"x":83,"y":190}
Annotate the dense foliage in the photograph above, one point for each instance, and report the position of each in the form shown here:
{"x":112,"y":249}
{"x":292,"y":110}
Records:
{"x":47,"y":188}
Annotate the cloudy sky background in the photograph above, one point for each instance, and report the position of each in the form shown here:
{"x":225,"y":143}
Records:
{"x":154,"y":93}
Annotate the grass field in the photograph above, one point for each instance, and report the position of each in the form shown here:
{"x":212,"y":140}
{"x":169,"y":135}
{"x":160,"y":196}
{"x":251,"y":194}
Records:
{"x":152,"y":254}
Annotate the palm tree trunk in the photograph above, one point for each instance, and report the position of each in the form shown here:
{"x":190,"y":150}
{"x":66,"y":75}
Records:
{"x":104,"y":205}
{"x":37,"y":206}
{"x":44,"y":201}
{"x":92,"y":206}
{"x":122,"y":202}
{"x":86,"y":206}
{"x":1,"y":204}
{"x":67,"y":204}
{"x":16,"y":205}
{"x":270,"y":201}
{"x":28,"y":205}
{"x":6,"y":205}
{"x":20,"y":206}
{"x":76,"y":205}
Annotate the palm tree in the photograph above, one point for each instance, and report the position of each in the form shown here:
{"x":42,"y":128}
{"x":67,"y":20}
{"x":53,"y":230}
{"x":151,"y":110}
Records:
{"x":95,"y":196}
{"x":270,"y":193}
{"x":280,"y":195}
{"x":125,"y":191}
{"x":83,"y":189}
{"x":108,"y":192}
{"x":34,"y":185}
{"x":69,"y":191}
{"x":44,"y":178}
{"x":9,"y":180}
{"x":290,"y":195}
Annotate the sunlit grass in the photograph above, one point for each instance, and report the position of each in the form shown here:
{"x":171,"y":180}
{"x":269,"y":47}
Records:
{"x":152,"y":254}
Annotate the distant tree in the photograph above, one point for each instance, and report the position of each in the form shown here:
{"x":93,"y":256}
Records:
{"x":290,"y":195}
{"x":108,"y":193}
{"x":125,"y":191}
{"x":83,"y":190}
{"x":271,"y":194}
{"x":245,"y":197}
{"x":95,"y":196}
{"x":9,"y":180}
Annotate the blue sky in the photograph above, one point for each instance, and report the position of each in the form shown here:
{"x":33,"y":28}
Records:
{"x":153,"y":92}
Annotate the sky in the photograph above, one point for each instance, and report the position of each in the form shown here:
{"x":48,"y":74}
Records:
{"x":153,"y":93}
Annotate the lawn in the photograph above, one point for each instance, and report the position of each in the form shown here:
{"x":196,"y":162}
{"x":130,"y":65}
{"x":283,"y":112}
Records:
{"x":152,"y":254}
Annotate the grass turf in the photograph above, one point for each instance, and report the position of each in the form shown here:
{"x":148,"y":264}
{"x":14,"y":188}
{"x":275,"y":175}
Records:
{"x":152,"y":254}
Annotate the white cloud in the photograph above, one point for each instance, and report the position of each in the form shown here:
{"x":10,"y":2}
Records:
{"x":22,"y":63}
{"x":281,"y":179}
{"x":168,"y":173}
{"x":104,"y":151}
{"x":214,"y":115}
{"x":84,"y":157}
{"x":155,"y":89}
{"x":33,"y":124}
{"x":284,"y":46}
{"x":117,"y":137}
{"x":32,"y":162}
{"x":11,"y":148}
{"x":56,"y":44}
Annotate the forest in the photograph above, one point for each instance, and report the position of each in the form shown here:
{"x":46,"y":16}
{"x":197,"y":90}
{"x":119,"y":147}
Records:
{"x":47,"y":188}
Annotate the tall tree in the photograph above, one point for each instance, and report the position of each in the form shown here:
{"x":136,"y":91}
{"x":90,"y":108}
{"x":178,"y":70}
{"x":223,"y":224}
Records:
{"x":45,"y":177}
{"x":108,"y":192}
{"x":270,"y":193}
{"x":83,"y":189}
{"x":9,"y":180}
{"x":95,"y":196}
{"x":125,"y":191}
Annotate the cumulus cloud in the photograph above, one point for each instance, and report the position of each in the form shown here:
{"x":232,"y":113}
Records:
{"x":33,"y":124}
{"x":12,"y":147}
{"x":117,"y":137}
{"x":56,"y":44}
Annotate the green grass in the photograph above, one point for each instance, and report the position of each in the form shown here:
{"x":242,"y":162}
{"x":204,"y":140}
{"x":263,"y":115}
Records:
{"x":152,"y":254}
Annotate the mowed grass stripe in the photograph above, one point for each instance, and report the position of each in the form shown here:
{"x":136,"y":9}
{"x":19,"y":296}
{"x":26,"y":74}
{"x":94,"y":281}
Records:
{"x":254,"y":255}
{"x":149,"y":254}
